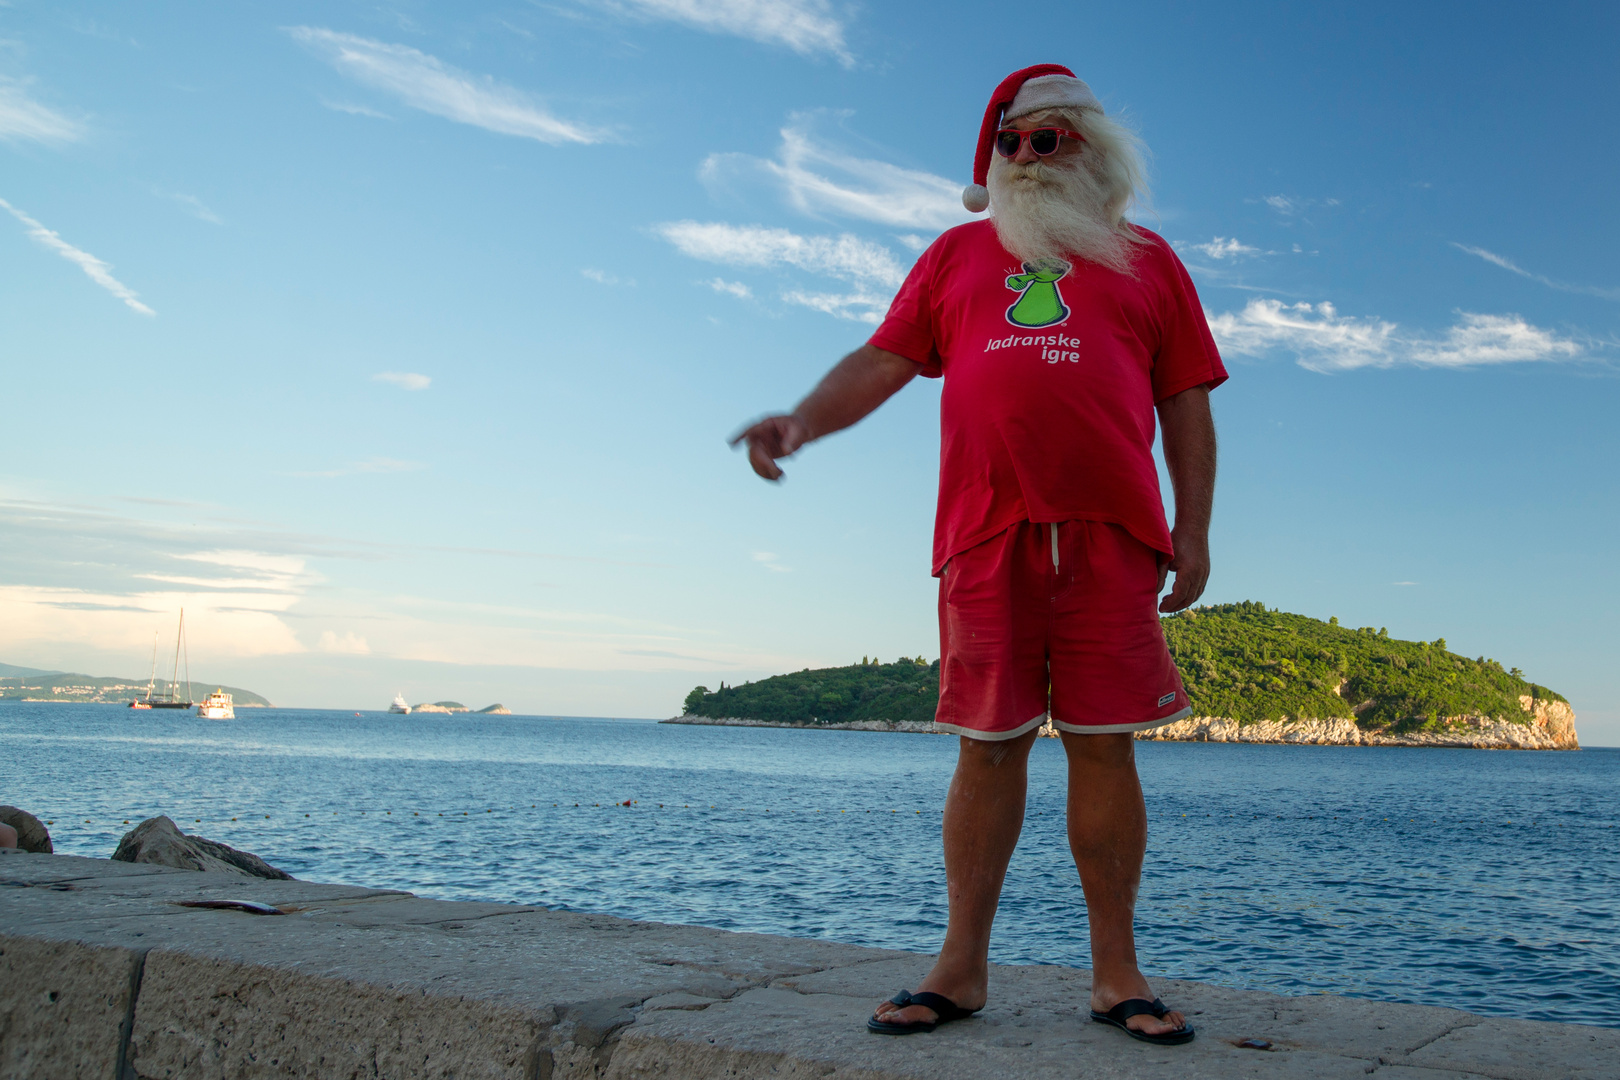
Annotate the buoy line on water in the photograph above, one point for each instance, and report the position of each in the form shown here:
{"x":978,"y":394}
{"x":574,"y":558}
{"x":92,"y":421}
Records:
{"x":1167,"y":816}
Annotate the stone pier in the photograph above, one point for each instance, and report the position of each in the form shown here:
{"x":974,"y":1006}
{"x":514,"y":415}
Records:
{"x":108,"y":970}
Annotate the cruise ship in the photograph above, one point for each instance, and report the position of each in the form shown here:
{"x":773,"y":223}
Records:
{"x":216,"y":706}
{"x":399,"y":705}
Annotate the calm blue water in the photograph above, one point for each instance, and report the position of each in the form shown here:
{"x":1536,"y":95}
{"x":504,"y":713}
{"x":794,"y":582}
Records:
{"x":1485,"y":880}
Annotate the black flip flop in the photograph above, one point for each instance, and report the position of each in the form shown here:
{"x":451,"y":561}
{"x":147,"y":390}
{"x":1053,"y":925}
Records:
{"x":1142,"y":1007}
{"x":944,"y":1008}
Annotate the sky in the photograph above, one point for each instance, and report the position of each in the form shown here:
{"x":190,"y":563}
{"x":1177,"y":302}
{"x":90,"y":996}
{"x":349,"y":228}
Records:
{"x":399,"y":343}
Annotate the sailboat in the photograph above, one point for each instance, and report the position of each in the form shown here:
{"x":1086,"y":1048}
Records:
{"x":170,"y":698}
{"x":146,"y":702}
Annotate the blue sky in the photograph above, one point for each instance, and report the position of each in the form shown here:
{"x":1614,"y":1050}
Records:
{"x":399,"y":343}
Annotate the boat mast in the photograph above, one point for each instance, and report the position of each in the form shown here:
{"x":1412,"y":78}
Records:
{"x":186,"y":649}
{"x":174,"y":693}
{"x":152,"y":676}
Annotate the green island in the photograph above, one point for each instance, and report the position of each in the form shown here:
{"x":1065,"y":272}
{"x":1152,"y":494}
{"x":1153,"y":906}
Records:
{"x":33,"y":684}
{"x":1244,"y":663}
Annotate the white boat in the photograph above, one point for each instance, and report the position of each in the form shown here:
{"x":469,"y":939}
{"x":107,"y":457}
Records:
{"x":399,"y":705}
{"x":216,"y":706}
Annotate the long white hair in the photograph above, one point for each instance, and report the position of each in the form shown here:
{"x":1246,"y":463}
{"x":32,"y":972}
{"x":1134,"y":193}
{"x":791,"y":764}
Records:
{"x":1047,"y":211}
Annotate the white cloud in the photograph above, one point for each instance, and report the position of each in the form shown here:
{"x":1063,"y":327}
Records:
{"x":1324,"y":340}
{"x":1512,"y":267}
{"x":732,"y":288}
{"x":771,"y":561}
{"x":807,"y":27}
{"x":1226,"y":248}
{"x":21,"y":117}
{"x":1294,"y":206}
{"x":913,"y":241}
{"x":98,"y":271}
{"x":424,"y":82}
{"x":845,"y":256}
{"x":602,"y":277}
{"x":817,"y":179}
{"x":195,"y":205}
{"x":856,"y":306}
{"x":355,"y":110}
{"x":870,"y":267}
{"x":405,"y":380}
{"x":350,"y":644}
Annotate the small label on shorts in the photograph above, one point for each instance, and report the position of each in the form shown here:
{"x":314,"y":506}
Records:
{"x":1167,"y":699}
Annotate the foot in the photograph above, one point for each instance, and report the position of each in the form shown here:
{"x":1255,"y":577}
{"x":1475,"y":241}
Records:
{"x":1105,"y":995}
{"x":968,"y":992}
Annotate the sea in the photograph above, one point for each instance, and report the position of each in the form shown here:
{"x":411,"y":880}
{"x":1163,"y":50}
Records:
{"x":1477,"y":879}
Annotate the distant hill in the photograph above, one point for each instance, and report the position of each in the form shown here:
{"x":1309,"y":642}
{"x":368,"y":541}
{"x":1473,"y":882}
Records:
{"x":1246,"y":662}
{"x":32,"y":685}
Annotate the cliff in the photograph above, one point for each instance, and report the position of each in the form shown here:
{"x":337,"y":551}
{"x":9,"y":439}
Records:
{"x":1549,"y":725}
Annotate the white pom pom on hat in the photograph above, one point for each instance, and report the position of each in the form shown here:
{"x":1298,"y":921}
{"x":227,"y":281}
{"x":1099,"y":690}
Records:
{"x":1044,"y":86}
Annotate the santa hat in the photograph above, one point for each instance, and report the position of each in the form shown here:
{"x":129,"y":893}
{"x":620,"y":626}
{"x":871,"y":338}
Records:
{"x":1044,"y":86}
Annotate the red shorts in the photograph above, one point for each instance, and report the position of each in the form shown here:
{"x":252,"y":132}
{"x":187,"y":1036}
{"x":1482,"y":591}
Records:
{"x":1064,"y":613}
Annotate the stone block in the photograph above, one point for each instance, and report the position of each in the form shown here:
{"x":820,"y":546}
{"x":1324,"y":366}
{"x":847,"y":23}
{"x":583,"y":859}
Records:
{"x":206,"y":1017}
{"x":63,"y":1006}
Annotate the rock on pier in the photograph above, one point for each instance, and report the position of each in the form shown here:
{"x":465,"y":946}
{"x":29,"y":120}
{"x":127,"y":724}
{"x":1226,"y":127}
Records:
{"x":109,"y":969}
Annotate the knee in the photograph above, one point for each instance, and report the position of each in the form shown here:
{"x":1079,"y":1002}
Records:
{"x":1115,"y":749}
{"x":995,"y":755}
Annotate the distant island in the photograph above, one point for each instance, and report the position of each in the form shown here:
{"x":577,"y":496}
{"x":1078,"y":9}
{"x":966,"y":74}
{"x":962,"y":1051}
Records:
{"x":1253,"y":674}
{"x":32,"y":684}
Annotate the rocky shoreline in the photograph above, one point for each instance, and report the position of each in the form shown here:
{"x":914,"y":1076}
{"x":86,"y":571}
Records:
{"x":1550,"y":725}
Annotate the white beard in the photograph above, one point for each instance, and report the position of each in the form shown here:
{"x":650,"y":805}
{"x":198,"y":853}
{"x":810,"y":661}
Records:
{"x":1046,"y":213}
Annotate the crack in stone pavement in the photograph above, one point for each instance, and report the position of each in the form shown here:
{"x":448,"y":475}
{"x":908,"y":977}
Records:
{"x":1460,"y":1025}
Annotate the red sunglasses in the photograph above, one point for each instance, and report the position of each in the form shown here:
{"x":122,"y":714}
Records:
{"x":1044,"y":141}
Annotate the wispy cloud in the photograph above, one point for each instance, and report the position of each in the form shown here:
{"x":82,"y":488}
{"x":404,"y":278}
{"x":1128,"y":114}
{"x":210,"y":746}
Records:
{"x":194,"y":205}
{"x":845,"y":256}
{"x":427,"y":83}
{"x":21,"y":117}
{"x":1512,"y":267}
{"x":405,"y":380}
{"x":98,"y":271}
{"x":731,"y":288}
{"x":355,"y":110}
{"x":871,"y":267}
{"x":808,"y":27}
{"x":1295,"y":206}
{"x":602,"y":277}
{"x":771,"y":561}
{"x":820,"y":179}
{"x":1324,"y":340}
{"x":1222,"y":247}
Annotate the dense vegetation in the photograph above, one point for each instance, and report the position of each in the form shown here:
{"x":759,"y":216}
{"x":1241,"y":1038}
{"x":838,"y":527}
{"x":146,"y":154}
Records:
{"x":1244,"y":661}
{"x":907,"y":689}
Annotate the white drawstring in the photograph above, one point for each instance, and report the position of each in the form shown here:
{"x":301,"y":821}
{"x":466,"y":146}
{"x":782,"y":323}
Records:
{"x":1054,"y":546}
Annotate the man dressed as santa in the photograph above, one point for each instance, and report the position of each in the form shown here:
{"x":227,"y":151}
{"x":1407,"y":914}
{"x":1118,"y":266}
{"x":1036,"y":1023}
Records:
{"x":1060,"y":330}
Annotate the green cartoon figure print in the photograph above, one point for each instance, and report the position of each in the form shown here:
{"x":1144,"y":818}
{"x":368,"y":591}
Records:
{"x":1041,"y":304}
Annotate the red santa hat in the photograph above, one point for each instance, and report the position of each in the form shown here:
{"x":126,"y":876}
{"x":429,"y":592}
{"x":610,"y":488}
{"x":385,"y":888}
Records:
{"x":1044,"y":86}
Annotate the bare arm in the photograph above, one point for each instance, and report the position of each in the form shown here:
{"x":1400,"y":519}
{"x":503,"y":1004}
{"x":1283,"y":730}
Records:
{"x":1189,"y":454}
{"x":856,"y":385}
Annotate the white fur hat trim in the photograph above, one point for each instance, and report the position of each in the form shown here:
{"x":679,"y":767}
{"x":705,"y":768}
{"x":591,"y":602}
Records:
{"x":1051,"y":92}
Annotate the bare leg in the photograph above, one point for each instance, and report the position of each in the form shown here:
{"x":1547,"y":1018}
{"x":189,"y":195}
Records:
{"x":1108,"y":836}
{"x":984,"y":813}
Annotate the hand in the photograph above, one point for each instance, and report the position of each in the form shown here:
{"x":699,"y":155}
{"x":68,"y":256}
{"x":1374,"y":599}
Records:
{"x":773,"y":437}
{"x":1191,"y":567}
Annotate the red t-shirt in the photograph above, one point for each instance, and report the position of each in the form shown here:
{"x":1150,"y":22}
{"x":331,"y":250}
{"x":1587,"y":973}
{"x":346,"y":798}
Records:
{"x":1051,"y":379}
